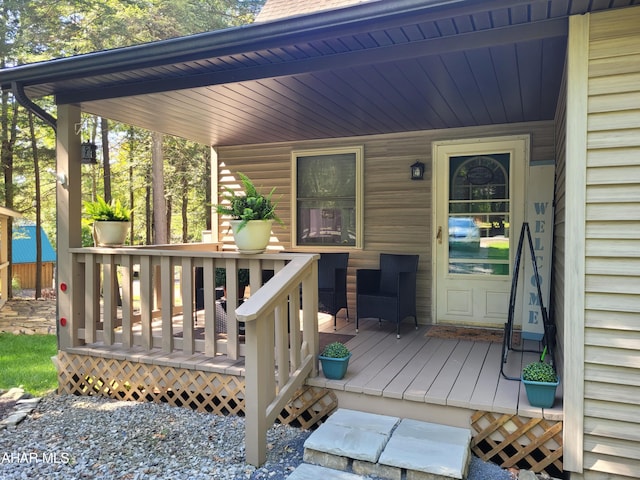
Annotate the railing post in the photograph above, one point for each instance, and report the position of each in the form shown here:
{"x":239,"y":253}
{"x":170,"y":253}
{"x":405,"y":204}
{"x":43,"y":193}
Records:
{"x":92,"y":300}
{"x":232,"y":303}
{"x":186,"y":280}
{"x":127,"y":302}
{"x":166,"y":294}
{"x":209,"y":285}
{"x":310,"y":314}
{"x":259,"y":386}
{"x":146,"y":300}
{"x":109,"y":298}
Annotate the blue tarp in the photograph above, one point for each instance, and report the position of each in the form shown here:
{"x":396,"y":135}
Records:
{"x":24,"y":245}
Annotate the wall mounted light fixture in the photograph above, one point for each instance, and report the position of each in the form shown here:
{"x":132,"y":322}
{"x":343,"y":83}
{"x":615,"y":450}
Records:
{"x":89,"y":153}
{"x":417,"y":171}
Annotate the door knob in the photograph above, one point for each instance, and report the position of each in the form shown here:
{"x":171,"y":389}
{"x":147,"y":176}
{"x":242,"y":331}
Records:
{"x":439,"y":235}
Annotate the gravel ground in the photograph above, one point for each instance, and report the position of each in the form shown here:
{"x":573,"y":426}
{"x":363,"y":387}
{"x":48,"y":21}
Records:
{"x":69,"y":437}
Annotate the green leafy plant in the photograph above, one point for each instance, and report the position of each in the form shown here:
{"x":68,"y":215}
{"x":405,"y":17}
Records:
{"x":113,"y":211}
{"x":248,"y":205}
{"x":335,"y":350}
{"x":539,"y":372}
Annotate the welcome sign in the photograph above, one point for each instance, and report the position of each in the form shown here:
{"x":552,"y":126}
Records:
{"x":539,"y":215}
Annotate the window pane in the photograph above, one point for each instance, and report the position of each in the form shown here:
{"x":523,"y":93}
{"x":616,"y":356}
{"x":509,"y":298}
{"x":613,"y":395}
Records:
{"x":479,"y":215}
{"x":326,"y":199}
{"x":326,"y":223}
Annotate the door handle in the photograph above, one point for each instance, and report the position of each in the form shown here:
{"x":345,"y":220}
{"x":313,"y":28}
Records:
{"x":439,"y":235}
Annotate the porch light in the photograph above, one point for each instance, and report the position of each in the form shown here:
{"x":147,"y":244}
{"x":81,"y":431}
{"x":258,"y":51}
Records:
{"x":417,"y":171}
{"x":89,"y":153}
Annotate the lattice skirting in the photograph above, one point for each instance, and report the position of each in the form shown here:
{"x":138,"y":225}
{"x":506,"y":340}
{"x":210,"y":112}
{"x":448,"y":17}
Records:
{"x":511,"y":440}
{"x":202,"y":391}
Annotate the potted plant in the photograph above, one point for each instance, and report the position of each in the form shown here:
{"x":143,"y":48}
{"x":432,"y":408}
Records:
{"x":252,"y":216}
{"x":335,"y":360}
{"x":111,"y":221}
{"x":540,"y":381}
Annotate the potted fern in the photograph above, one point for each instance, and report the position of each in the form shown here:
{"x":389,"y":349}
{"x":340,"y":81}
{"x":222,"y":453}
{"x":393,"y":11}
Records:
{"x":335,"y":360}
{"x":111,"y":221}
{"x":540,"y":381}
{"x":252,"y":215}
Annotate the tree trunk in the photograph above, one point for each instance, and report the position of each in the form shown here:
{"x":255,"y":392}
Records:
{"x":6,"y":162}
{"x":36,"y":167}
{"x":160,"y":231}
{"x":104,"y":130}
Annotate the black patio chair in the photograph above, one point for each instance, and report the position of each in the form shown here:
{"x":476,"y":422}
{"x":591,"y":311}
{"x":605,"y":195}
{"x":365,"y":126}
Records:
{"x":332,"y":284}
{"x":388,"y":293}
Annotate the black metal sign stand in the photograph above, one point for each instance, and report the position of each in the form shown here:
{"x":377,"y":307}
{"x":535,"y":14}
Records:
{"x":549,"y":328}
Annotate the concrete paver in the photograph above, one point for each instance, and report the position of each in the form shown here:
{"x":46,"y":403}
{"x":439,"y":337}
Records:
{"x":429,"y":448}
{"x":353,"y":434}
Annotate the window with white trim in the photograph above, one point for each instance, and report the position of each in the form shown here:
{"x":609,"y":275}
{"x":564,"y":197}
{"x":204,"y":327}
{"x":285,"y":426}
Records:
{"x":327,"y":197}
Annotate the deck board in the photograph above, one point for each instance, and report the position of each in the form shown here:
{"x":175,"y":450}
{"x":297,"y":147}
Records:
{"x":466,"y":382}
{"x":486,"y":387}
{"x":418,"y":389}
{"x":382,"y":378}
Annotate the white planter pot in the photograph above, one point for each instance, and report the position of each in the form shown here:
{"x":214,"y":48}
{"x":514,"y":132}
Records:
{"x":110,"y":234}
{"x":253,"y":237}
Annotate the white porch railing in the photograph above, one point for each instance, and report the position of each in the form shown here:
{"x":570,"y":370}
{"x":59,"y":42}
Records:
{"x":160,"y":314}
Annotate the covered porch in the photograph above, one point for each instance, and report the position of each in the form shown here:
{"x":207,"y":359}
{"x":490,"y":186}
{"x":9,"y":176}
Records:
{"x":154,"y":343}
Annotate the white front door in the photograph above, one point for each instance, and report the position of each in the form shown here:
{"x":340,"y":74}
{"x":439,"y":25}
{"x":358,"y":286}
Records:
{"x":479,"y":198}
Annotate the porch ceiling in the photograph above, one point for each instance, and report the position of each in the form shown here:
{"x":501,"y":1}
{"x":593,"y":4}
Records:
{"x":372,"y":68}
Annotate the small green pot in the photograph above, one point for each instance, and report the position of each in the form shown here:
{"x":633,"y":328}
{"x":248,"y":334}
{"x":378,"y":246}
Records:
{"x":334,"y":368}
{"x":541,"y":394}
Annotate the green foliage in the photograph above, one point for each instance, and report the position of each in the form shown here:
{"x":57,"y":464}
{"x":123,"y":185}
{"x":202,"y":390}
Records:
{"x":539,"y":372}
{"x":250,"y":205}
{"x":103,"y":211}
{"x":335,"y":350}
{"x":26,"y":360}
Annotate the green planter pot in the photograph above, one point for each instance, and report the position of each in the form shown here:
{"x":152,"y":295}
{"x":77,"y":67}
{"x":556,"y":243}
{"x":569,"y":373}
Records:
{"x":541,"y":394}
{"x":334,"y":368}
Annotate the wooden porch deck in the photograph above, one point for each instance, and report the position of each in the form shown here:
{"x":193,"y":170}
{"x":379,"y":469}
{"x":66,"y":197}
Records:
{"x":422,"y":376}
{"x":423,"y":371}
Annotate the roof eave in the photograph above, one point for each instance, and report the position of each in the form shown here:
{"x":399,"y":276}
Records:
{"x":220,"y":42}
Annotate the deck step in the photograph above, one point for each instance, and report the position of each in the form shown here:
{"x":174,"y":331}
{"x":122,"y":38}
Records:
{"x":385,"y":446}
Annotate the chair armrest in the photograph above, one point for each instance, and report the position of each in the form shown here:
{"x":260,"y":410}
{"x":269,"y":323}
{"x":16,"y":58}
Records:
{"x":340,"y":281}
{"x":407,"y":283}
{"x":367,"y":281}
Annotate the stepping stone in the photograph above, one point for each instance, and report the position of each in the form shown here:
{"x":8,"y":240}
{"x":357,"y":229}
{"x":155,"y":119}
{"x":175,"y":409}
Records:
{"x":438,"y":450}
{"x":353,"y":434}
{"x":315,"y":472}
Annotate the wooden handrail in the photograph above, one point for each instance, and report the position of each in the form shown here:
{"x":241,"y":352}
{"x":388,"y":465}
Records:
{"x":276,"y":352}
{"x":278,"y":358}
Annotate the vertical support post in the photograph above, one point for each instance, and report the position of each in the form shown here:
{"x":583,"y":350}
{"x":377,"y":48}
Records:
{"x":310,"y":314}
{"x":68,"y":215}
{"x":215,"y":228}
{"x":166,"y":308}
{"x":146,"y":300}
{"x":92,"y":295}
{"x":209,"y":282}
{"x":187,"y":305}
{"x":127,"y":302}
{"x":259,"y":386}
{"x":109,"y":298}
{"x":232,"y":303}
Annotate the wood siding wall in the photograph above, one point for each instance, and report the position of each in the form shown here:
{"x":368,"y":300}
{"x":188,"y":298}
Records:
{"x":25,"y":274}
{"x":398,"y":211}
{"x":612,"y":263}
